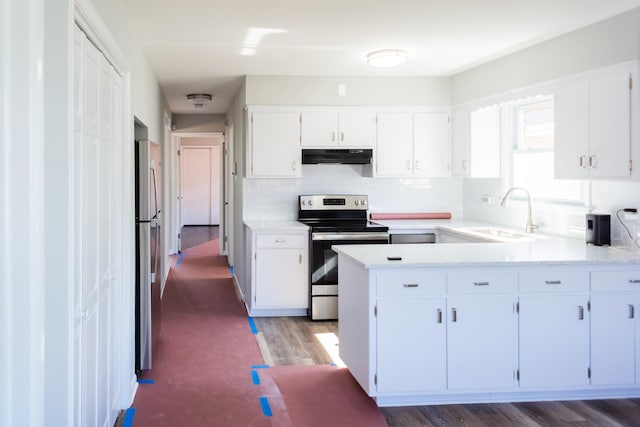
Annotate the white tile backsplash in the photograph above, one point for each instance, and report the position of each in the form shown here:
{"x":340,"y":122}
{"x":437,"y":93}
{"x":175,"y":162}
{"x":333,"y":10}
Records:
{"x":277,"y":199}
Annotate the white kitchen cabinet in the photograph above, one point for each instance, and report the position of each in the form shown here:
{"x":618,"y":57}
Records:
{"x":394,"y":150}
{"x":592,"y":124}
{"x":615,"y":331}
{"x":338,"y":129}
{"x":482,"y":335}
{"x":477,"y":143}
{"x":554,"y":328}
{"x":415,"y":329}
{"x":274,"y":149}
{"x":413,"y":144}
{"x":279,"y":273}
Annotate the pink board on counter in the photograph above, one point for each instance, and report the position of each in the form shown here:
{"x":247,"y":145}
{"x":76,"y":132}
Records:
{"x":414,"y":215}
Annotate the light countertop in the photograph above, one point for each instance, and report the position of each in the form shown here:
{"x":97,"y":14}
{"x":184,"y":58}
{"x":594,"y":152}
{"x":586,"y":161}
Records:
{"x":275,"y":226}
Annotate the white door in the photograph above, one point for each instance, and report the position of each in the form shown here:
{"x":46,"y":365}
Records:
{"x":482,"y":342}
{"x":431,"y":147}
{"x":554,"y":341}
{"x":200,"y":185}
{"x":319,"y":129}
{"x":357,"y":129}
{"x":613,"y":324}
{"x":394,"y":152}
{"x":460,"y":153}
{"x":571,"y":130}
{"x":275,"y":144}
{"x":275,"y":290}
{"x":411,"y":345}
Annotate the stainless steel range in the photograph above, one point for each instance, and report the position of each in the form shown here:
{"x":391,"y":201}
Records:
{"x":334,"y":220}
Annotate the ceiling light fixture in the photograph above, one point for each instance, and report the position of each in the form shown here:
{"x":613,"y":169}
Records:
{"x":387,"y":57}
{"x":199,"y":99}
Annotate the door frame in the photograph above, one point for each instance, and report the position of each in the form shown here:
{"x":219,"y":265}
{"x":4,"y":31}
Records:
{"x":176,"y":185}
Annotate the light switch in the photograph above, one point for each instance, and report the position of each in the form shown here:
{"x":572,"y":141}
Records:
{"x":342,"y":89}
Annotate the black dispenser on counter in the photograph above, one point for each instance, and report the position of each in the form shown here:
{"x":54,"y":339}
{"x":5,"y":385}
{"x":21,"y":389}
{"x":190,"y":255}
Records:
{"x":598,"y":231}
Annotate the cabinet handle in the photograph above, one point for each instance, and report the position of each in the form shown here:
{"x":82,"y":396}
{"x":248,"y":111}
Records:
{"x":280,"y":240}
{"x":582,"y":159}
{"x":580,"y":312}
{"x":454,"y":315}
{"x":410,"y":285}
{"x":333,"y":136}
{"x":299,"y":258}
{"x":464,"y":165}
{"x":632,"y":312}
{"x":592,"y":161}
{"x":634,"y":281}
{"x":417,"y":164}
{"x":341,"y":136}
{"x":481,"y":283}
{"x":553,"y":282}
{"x":439,"y":316}
{"x":408,"y":164}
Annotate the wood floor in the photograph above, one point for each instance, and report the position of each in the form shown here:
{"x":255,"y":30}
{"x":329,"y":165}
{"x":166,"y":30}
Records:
{"x":293,"y":341}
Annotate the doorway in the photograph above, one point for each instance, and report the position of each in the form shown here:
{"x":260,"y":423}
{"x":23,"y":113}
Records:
{"x":199,"y":188}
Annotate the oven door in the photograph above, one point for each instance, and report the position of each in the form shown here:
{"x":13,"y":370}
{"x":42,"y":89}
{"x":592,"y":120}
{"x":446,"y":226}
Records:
{"x":323,"y":304}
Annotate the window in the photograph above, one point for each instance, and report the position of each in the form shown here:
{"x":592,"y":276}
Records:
{"x":532,"y":159}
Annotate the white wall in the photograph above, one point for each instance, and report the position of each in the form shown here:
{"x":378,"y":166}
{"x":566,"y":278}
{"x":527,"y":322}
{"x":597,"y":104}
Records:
{"x":198,"y":123}
{"x":322,"y":90}
{"x":612,"y":41}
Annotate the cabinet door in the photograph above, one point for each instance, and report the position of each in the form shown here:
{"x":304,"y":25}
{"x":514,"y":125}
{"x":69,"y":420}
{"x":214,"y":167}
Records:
{"x":482,"y":342}
{"x":460,"y":130}
{"x":319,"y":129}
{"x":394,"y":151}
{"x":357,"y":129}
{"x":613,"y":339}
{"x":571,"y":130}
{"x":275,"y":144}
{"x":411,"y":345}
{"x":554,"y":341}
{"x":281,"y":280}
{"x":431,"y":148}
{"x":609,"y":125}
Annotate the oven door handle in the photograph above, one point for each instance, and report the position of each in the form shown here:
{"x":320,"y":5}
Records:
{"x":350,"y":236}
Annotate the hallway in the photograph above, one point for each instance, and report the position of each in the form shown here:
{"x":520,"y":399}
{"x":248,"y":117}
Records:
{"x":208,"y":368}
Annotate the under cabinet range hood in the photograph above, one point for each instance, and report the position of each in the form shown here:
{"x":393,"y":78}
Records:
{"x":341,"y":156}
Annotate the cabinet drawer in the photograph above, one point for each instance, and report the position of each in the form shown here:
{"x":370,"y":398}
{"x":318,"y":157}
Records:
{"x":482,"y":282}
{"x":552,"y":281}
{"x":281,"y":241}
{"x":410,"y":283}
{"x":604,"y":281}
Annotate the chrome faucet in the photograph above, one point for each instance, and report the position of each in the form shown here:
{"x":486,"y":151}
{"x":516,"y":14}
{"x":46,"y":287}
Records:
{"x":530,"y":225}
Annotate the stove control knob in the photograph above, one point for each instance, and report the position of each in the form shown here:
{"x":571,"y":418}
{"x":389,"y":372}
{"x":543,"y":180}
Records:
{"x":357,"y":202}
{"x":310,"y":202}
{"x":363,"y":202}
{"x":304,"y":202}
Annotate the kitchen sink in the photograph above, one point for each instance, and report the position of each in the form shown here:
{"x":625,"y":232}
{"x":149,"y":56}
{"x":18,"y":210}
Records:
{"x":501,"y":233}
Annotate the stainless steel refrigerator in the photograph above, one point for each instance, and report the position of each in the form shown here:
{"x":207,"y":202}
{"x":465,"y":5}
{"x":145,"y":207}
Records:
{"x":148,"y":251}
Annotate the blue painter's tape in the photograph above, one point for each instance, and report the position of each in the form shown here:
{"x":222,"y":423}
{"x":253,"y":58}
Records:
{"x":266,"y":409}
{"x":259,"y":366}
{"x":255,"y":377}
{"x":252,"y":325}
{"x":180,"y":259}
{"x":128,"y":417}
{"x":146,"y":381}
{"x":231,"y":269}
{"x":332,"y":364}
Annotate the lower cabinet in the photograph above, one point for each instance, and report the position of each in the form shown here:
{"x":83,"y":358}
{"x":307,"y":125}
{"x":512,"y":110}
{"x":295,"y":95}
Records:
{"x":482,"y":335}
{"x":279,"y":284}
{"x":615,"y":331}
{"x":554,"y":328}
{"x":554,"y":341}
{"x":461,"y":335}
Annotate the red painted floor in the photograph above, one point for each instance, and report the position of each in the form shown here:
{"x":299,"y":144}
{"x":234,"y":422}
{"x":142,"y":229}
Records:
{"x":207,"y":369}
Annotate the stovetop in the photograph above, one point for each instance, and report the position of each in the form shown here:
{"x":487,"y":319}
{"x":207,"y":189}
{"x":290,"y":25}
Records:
{"x":332,"y":225}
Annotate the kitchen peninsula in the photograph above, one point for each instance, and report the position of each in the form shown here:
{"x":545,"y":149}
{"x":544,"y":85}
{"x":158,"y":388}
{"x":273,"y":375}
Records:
{"x":546,"y":319}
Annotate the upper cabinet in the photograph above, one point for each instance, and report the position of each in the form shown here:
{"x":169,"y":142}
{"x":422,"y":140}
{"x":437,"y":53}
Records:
{"x":593,"y":124}
{"x":477,"y":142}
{"x":413,"y":144}
{"x":274,"y":141}
{"x":340,"y":129}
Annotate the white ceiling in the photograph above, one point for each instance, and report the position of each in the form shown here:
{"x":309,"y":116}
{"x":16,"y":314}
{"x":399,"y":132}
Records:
{"x":197,"y":45}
